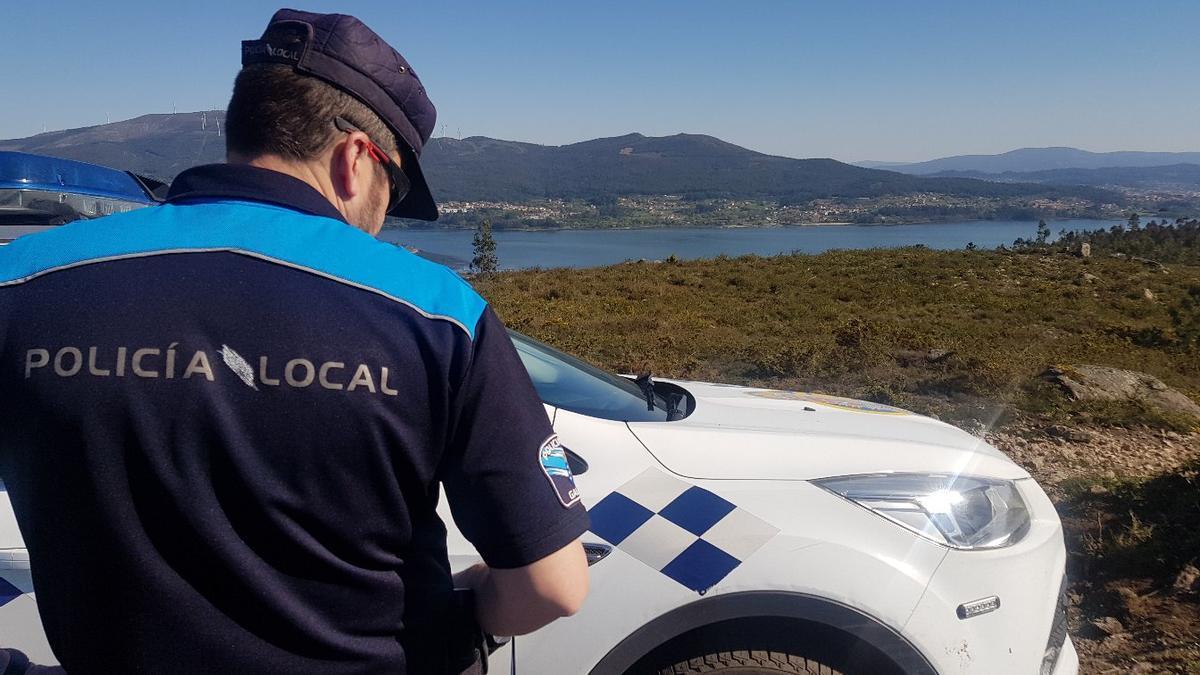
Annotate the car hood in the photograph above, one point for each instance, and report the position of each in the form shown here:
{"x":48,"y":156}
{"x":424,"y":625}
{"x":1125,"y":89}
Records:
{"x":10,"y":536}
{"x":754,"y":434}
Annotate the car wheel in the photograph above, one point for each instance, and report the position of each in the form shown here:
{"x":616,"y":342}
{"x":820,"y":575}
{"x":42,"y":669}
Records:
{"x":744,"y":662}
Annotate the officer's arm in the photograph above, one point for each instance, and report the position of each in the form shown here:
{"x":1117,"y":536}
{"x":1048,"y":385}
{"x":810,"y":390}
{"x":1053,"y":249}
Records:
{"x":523,"y":599}
{"x":509,"y":487}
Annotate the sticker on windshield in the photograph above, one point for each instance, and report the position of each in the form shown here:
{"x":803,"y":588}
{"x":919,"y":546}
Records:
{"x":554,"y":464}
{"x":832,"y":401}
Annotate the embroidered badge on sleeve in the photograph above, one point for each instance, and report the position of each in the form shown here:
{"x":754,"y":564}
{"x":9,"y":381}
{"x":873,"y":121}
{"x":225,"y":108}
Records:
{"x":554,"y":464}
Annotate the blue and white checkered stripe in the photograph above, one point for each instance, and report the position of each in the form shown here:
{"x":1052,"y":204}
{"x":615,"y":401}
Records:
{"x":14,"y":563}
{"x":682,"y":530}
{"x":8,"y":592}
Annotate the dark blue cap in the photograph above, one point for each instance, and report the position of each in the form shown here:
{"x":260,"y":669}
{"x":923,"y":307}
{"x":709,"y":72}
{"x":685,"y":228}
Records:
{"x":344,"y":52}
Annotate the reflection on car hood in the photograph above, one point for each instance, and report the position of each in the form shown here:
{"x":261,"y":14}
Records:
{"x":10,"y":536}
{"x":745,"y":433}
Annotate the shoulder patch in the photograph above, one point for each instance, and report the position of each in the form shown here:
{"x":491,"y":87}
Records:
{"x":553,"y":457}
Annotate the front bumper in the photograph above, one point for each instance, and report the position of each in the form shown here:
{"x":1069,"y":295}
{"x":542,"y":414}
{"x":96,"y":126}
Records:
{"x":1026,"y":634}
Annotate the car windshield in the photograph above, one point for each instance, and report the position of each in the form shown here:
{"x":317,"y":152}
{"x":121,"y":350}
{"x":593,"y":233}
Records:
{"x":565,"y":382}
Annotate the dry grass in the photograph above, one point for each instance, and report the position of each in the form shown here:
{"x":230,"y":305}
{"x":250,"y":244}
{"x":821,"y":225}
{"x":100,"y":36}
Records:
{"x":862,"y":323}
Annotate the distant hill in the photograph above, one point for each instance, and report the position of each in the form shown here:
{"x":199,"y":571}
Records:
{"x":479,"y":168}
{"x":701,"y":166}
{"x":872,"y":164}
{"x":1186,"y":176}
{"x":154,"y":145}
{"x":1040,"y":159}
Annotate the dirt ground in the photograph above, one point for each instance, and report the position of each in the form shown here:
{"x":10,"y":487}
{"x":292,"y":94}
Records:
{"x":1130,"y":503}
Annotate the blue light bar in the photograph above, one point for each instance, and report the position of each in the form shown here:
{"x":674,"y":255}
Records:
{"x":22,"y":171}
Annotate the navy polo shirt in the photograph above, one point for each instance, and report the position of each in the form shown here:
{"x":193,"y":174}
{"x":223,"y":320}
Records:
{"x":225,"y":423}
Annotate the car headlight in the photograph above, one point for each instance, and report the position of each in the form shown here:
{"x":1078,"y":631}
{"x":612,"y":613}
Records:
{"x":957,"y":511}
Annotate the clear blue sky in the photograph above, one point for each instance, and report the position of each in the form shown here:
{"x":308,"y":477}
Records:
{"x":890,"y":80}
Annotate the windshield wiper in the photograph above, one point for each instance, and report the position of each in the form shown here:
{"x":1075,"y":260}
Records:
{"x":674,"y":412}
{"x":645,"y":382}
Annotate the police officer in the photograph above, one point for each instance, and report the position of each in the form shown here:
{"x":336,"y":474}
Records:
{"x":227,"y":418}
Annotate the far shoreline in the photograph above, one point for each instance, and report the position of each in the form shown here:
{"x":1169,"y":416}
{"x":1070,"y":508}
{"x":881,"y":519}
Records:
{"x":769,"y":226}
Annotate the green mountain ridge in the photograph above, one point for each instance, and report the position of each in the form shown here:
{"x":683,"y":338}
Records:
{"x":487,"y":169}
{"x":697,"y":166}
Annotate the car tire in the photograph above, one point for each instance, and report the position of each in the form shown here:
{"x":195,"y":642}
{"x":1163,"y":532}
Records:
{"x":749,"y":662}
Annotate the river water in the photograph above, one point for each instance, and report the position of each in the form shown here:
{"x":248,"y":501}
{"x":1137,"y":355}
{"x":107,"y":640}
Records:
{"x":590,"y":248}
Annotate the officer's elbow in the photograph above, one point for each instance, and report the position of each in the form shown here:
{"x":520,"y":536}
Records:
{"x":530,"y":597}
{"x":561,"y":581}
{"x":567,"y":599}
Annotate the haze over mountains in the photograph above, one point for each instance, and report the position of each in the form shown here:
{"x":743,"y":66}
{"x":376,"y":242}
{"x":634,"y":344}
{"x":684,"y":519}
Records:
{"x":1037,"y":159}
{"x":482,"y":169}
{"x":1177,"y":176}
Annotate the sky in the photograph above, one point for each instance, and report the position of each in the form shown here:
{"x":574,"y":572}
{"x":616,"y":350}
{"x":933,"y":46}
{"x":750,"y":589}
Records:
{"x":894,"y":80}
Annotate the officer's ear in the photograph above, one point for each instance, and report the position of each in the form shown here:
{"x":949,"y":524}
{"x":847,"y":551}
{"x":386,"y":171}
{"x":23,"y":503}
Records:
{"x":351,"y":169}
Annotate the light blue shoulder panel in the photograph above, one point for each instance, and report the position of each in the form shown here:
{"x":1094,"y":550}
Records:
{"x":316,"y":244}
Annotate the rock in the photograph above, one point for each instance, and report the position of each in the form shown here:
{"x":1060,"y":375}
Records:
{"x":1127,"y":594}
{"x":1069,"y":433}
{"x":1152,"y":263}
{"x":1098,"y":490}
{"x":1101,"y":383}
{"x":1085,"y":250}
{"x":908,"y":357}
{"x":1088,"y":278}
{"x":1148,"y":294}
{"x":1108,"y":625}
{"x":938,"y":355}
{"x":1187,"y":580}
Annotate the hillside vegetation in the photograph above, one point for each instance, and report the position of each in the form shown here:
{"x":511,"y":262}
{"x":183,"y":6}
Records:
{"x":1161,"y":241}
{"x":963,"y":335}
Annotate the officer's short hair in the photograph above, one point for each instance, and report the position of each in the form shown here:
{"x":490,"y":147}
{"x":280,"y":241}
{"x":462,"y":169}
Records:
{"x":275,"y":110}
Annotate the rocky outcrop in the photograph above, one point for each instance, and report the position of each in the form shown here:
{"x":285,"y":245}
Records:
{"x":1101,"y":383}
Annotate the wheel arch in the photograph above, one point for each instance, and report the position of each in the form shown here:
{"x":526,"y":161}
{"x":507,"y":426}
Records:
{"x":752,"y":605}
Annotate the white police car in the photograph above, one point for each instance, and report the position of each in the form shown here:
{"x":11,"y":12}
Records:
{"x":760,"y":531}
